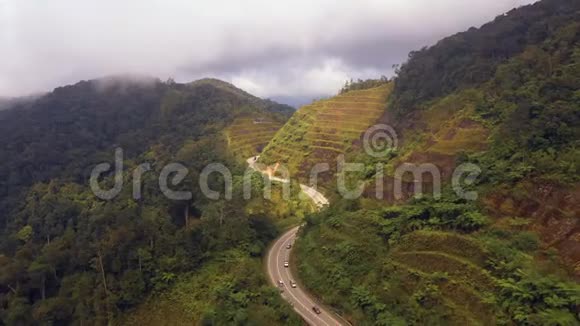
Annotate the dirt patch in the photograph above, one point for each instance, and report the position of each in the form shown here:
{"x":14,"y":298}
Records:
{"x":318,"y":155}
{"x":449,"y":136}
{"x":554,"y":212}
{"x":444,"y":162}
{"x":468,"y":123}
{"x":388,"y":193}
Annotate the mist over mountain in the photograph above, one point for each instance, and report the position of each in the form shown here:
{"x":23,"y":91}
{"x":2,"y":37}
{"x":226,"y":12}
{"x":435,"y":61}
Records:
{"x":10,"y":102}
{"x":293,"y":50}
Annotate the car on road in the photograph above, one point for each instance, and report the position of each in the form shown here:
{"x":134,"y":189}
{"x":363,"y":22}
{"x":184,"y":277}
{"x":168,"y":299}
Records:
{"x":316,"y":310}
{"x":293,"y":284}
{"x":286,"y":264}
{"x":289,"y":246}
{"x":280,"y":283}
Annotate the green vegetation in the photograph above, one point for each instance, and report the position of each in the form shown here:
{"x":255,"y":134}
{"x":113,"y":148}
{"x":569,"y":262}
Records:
{"x":505,"y":98}
{"x":468,"y":59}
{"x":430,"y":262}
{"x":247,"y":136}
{"x":520,"y":124}
{"x":360,"y":84}
{"x":68,"y":257}
{"x":231,"y":289}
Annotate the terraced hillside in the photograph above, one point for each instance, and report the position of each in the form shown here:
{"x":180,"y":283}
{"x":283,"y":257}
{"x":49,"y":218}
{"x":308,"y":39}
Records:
{"x":360,"y":264}
{"x":248,"y":135}
{"x":437,"y":135}
{"x":464,"y":285}
{"x":321,"y":131}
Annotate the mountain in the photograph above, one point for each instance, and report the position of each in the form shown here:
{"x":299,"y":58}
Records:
{"x":471,"y":58}
{"x":69,"y":257}
{"x":66,"y":131}
{"x":501,"y":99}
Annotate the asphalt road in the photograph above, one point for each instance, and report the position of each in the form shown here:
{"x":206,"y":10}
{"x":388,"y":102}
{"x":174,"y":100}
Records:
{"x":297,"y":297}
{"x":279,"y":254}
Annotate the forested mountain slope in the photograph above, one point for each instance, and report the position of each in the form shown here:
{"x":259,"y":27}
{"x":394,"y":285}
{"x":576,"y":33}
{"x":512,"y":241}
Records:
{"x":471,"y":58}
{"x":68,"y":257}
{"x":520,"y":122}
{"x":505,"y":98}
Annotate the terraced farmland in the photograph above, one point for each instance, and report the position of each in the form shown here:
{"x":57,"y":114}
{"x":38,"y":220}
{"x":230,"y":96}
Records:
{"x":461,"y":259}
{"x":248,"y":135}
{"x":319,"y":132}
{"x":443,"y":272}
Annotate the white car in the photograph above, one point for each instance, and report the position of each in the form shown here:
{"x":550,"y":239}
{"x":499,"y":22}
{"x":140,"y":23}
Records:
{"x":286,"y":264}
{"x":293,"y":284}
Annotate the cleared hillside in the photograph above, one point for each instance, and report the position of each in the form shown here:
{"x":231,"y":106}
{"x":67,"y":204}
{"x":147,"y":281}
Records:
{"x":319,"y":132}
{"x":248,"y":135}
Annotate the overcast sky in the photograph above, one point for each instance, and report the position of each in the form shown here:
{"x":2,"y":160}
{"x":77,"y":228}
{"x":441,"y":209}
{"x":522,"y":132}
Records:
{"x":292,"y":50}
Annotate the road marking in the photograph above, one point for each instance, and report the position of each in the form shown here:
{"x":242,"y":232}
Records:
{"x":304,"y":294}
{"x":317,"y":197}
{"x":302,"y":314}
{"x":320,"y":201}
{"x":277,"y":268}
{"x":283,"y":241}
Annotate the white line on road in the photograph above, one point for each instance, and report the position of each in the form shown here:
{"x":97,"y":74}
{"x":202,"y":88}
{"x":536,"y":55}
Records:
{"x":276,"y":274}
{"x":296,"y":298}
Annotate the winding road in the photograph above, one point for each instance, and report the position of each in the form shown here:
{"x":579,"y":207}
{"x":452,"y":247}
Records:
{"x":319,"y":200}
{"x":300,"y":300}
{"x":279,"y":255}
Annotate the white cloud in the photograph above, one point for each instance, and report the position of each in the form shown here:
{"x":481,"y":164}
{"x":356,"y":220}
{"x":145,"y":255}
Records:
{"x":267,"y":47}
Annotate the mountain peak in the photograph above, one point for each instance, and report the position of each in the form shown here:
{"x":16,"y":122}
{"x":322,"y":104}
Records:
{"x":222,"y":85}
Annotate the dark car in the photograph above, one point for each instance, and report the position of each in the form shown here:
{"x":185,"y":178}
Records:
{"x":316,"y":310}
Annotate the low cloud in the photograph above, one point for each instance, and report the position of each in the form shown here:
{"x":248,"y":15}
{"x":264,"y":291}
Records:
{"x":295,"y":49}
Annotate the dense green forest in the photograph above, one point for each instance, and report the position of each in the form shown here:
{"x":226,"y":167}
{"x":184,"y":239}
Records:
{"x":471,"y":58}
{"x":68,"y":257}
